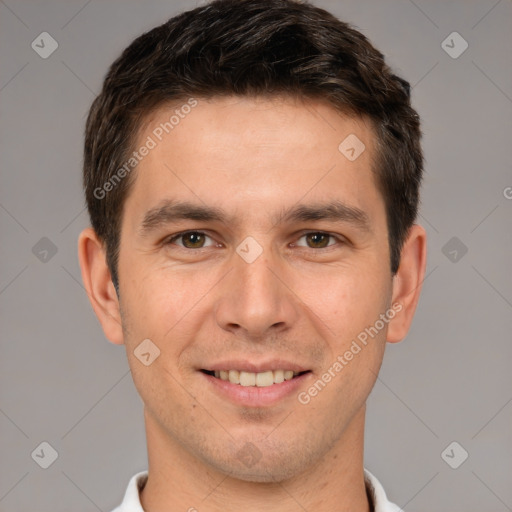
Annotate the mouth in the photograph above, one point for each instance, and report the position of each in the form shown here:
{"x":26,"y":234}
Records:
{"x":250,"y":379}
{"x":253,"y":382}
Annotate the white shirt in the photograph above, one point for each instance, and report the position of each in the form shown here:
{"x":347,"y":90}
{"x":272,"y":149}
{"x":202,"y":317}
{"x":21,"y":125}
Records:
{"x":131,"y":500}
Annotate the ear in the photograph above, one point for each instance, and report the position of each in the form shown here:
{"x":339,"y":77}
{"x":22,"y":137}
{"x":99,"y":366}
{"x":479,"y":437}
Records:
{"x":407,"y":283}
{"x":99,"y":286}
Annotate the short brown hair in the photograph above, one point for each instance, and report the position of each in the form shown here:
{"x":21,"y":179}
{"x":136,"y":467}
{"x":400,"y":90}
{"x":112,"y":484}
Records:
{"x":252,"y":47}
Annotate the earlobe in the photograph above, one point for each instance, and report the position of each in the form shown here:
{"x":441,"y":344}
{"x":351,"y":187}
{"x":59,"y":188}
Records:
{"x":98,"y":285}
{"x":407,"y":283}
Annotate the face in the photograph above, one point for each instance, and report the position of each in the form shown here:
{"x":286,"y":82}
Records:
{"x":253,"y":249}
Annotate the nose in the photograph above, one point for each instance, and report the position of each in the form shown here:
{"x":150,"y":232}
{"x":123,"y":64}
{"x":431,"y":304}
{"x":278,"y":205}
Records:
{"x":255,"y":299}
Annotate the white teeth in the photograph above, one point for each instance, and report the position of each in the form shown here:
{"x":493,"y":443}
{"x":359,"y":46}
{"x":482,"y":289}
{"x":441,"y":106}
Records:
{"x":247,"y":379}
{"x":234,"y":376}
{"x":262,"y":379}
{"x":279,"y":376}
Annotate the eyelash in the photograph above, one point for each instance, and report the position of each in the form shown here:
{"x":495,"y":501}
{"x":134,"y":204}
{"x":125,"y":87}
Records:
{"x":175,"y":237}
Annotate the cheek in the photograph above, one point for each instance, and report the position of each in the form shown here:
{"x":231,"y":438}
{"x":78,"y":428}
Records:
{"x":167,"y":306}
{"x":156,"y":298}
{"x":345,"y":300}
{"x":156,"y":308}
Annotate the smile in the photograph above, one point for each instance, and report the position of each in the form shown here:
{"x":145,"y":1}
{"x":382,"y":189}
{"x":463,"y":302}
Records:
{"x":251,"y":379}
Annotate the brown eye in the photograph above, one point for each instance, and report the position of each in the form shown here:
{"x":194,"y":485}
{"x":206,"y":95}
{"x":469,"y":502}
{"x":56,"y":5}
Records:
{"x":190,"y":240}
{"x":317,"y":240}
{"x":193,"y":240}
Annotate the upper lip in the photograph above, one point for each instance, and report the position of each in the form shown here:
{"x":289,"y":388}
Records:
{"x":255,"y":367}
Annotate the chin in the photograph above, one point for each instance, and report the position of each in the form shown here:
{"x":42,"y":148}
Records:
{"x":264,"y":475}
{"x":269,"y":468}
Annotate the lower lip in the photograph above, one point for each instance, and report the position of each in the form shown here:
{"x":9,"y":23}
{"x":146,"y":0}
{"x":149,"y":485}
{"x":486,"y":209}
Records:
{"x":254,"y":396}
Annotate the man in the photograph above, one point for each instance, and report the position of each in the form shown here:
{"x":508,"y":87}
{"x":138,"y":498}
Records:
{"x":252,"y":173}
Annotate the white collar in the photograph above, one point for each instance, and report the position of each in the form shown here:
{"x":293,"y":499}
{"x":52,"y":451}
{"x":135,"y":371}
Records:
{"x":131,"y":500}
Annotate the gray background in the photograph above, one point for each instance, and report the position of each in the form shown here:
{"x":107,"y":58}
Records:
{"x":62,"y":382}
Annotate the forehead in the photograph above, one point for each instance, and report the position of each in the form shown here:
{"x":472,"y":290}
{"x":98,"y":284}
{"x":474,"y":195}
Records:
{"x":253,"y":155}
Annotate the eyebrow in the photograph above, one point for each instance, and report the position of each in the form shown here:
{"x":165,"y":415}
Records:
{"x":170,"y":211}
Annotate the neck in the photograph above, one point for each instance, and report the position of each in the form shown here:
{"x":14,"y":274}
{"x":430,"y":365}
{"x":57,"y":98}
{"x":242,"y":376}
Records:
{"x":179,"y":481}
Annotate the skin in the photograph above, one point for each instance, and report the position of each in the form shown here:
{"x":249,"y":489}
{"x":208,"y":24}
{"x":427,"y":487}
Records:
{"x":299,"y":300}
